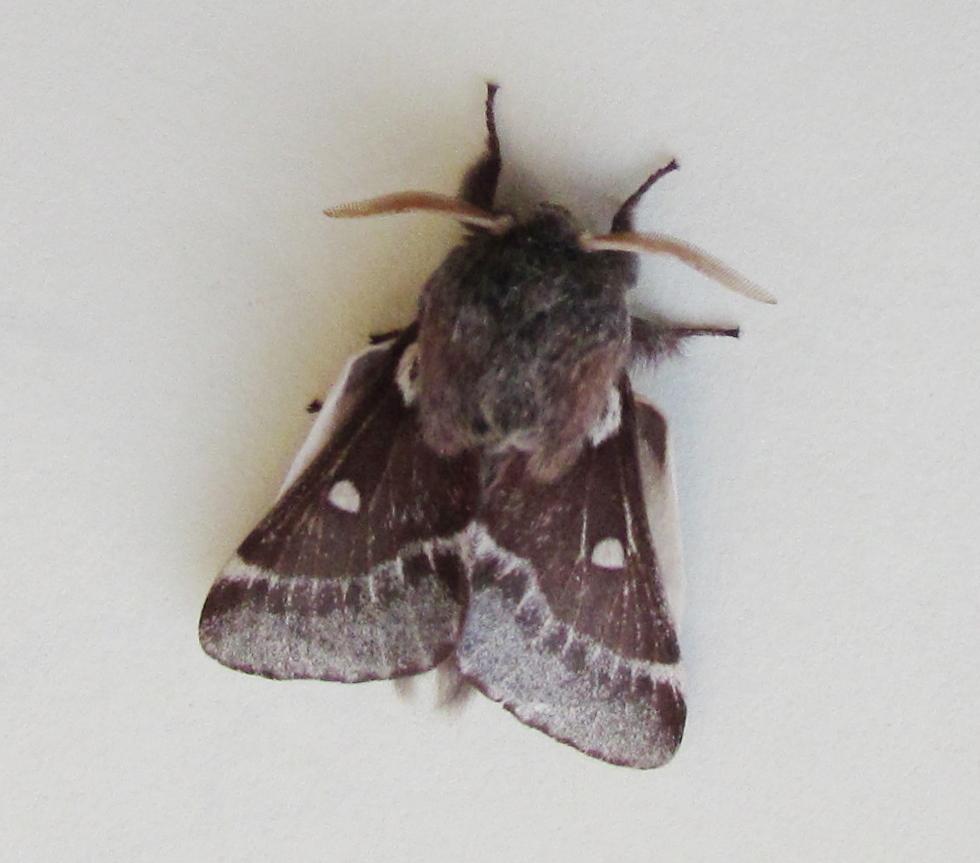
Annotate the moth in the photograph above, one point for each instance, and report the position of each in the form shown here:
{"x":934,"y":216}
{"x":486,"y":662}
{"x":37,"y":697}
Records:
{"x":485,"y":487}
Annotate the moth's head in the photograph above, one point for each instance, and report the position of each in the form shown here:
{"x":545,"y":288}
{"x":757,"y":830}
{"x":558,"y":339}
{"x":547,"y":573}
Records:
{"x":547,"y":232}
{"x":549,"y":223}
{"x":474,"y":207}
{"x":535,"y":267}
{"x":548,"y":220}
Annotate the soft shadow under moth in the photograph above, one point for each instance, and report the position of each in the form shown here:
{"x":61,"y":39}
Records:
{"x":485,"y":486}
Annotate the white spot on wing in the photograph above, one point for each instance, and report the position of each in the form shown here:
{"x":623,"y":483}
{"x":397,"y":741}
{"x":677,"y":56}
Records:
{"x":608,"y":553}
{"x":344,"y":495}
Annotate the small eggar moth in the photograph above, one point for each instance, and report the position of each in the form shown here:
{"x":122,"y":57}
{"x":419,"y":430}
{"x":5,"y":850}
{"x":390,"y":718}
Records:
{"x":485,"y":487}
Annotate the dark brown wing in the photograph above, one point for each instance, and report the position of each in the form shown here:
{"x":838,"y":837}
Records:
{"x":355,"y":574}
{"x":570,"y":622}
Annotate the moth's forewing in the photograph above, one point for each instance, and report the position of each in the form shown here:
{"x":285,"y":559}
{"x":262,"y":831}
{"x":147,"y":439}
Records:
{"x":355,"y":573}
{"x":569,"y":622}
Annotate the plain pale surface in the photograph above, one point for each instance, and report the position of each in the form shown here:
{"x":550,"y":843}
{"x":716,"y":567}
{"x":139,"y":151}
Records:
{"x":172,"y":298}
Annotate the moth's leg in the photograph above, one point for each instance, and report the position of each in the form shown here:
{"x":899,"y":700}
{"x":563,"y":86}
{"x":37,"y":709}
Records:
{"x":480,"y":183}
{"x":388,"y":335}
{"x":683,"y":332}
{"x":623,"y":220}
{"x":453,"y":689}
{"x":652,"y":339}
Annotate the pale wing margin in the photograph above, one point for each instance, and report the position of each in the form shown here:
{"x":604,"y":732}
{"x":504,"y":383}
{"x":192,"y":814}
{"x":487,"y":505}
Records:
{"x":656,"y":459}
{"x":337,"y":405}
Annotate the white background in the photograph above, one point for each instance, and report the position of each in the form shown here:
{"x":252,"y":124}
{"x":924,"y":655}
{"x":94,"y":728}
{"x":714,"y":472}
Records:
{"x":172,"y":298}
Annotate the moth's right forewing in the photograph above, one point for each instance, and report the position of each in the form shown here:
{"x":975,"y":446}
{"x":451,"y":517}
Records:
{"x":570,"y":623}
{"x":355,"y":574}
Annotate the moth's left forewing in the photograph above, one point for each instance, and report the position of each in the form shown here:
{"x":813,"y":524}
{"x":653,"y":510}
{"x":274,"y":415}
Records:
{"x":570,"y":623}
{"x":355,"y":574}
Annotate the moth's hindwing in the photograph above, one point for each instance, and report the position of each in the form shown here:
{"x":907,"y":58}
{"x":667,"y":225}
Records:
{"x":355,"y":574}
{"x":570,"y":623}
